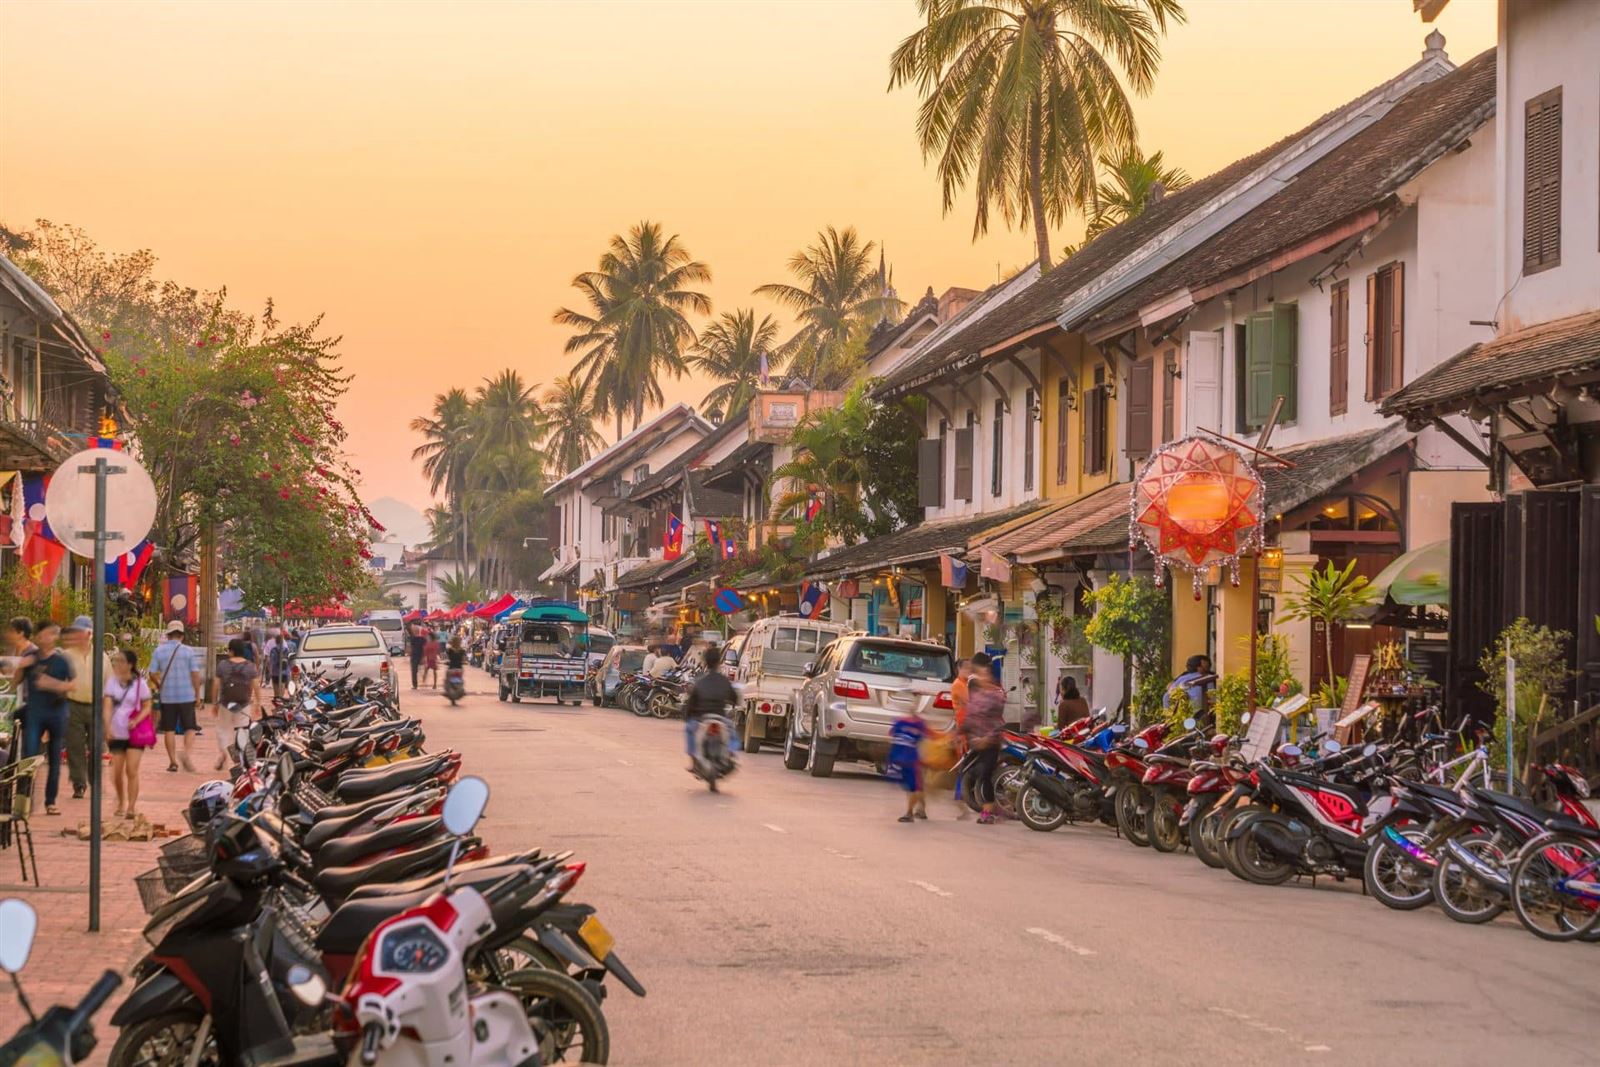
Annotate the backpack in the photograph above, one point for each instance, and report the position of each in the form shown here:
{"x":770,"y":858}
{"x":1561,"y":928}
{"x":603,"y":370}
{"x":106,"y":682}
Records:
{"x":235,"y":679}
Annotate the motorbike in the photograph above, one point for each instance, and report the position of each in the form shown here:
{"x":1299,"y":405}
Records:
{"x":455,"y":685}
{"x":714,"y":750}
{"x":62,"y":1036}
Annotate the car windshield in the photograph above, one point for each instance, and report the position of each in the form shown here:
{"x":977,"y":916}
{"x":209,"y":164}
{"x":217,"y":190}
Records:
{"x":388,"y":625}
{"x":340,"y":641}
{"x":631,"y":662}
{"x":917,"y":662}
{"x":600,"y":644}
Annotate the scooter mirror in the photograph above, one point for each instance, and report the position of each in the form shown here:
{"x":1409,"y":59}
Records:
{"x":1369,"y":749}
{"x":285,"y":769}
{"x":1244,"y":718}
{"x":18,"y":921}
{"x":1331,"y":747}
{"x":1289,"y":750}
{"x":1140,"y":743}
{"x":1188,"y":724}
{"x":1119,"y":727}
{"x":464,"y":804}
{"x":307,"y":986}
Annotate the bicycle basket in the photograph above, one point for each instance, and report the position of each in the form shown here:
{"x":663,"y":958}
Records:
{"x":183,"y":860}
{"x":153,"y":891}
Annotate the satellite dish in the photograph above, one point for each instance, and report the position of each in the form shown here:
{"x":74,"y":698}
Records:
{"x":130,"y":502}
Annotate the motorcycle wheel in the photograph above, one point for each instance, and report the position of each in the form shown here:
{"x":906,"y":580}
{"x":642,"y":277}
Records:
{"x":1008,"y":786}
{"x":969,"y":790}
{"x":1039,"y":812}
{"x":1203,"y":838}
{"x":1133,"y":825}
{"x":566,"y":1021}
{"x":1541,"y":905}
{"x":161,"y":1040}
{"x":661,"y":705}
{"x":1460,"y":895}
{"x":1225,"y":850}
{"x":638,"y":703}
{"x":1258,"y":864}
{"x":1394,"y":877}
{"x":1165,"y":833}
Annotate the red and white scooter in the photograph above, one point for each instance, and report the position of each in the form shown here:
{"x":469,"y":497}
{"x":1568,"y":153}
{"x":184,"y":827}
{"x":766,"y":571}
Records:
{"x":408,"y":988}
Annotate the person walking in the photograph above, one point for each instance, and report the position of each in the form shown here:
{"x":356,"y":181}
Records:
{"x":430,"y":660}
{"x":76,"y":644}
{"x":418,"y":637}
{"x":48,"y":676}
{"x":905,"y":761}
{"x":175,"y":673}
{"x":130,"y":727}
{"x":985,"y":721}
{"x":276,"y":657}
{"x":235,"y":695}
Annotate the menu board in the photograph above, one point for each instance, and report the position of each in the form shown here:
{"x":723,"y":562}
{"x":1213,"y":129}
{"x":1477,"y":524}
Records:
{"x":1359,"y":665}
{"x":1263,"y":732}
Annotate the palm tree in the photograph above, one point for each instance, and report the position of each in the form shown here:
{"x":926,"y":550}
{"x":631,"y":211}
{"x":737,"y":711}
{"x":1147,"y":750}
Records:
{"x":1019,"y":98}
{"x":570,"y":412}
{"x":840,"y":296}
{"x":731,"y":350}
{"x":447,"y":447}
{"x":1133,"y":177}
{"x":505,"y":414}
{"x":825,"y":465}
{"x":462,"y":588}
{"x":637,"y":324}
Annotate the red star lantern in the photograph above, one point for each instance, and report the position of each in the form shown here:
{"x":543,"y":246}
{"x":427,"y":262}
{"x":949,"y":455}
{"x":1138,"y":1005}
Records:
{"x":1197,"y":504}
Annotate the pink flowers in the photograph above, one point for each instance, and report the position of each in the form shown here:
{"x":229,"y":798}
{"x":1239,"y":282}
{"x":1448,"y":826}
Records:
{"x":283,"y":494}
{"x":105,"y":335}
{"x":248,"y":399}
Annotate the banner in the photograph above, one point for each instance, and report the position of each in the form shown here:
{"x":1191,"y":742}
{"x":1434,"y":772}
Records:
{"x":180,"y":600}
{"x":849,"y":589}
{"x":672,"y":538}
{"x":952,"y":572}
{"x":41,"y":558}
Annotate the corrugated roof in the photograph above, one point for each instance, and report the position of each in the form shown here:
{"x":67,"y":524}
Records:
{"x":923,"y":541}
{"x":1527,"y":360}
{"x":655,"y":572}
{"x":1065,"y":523}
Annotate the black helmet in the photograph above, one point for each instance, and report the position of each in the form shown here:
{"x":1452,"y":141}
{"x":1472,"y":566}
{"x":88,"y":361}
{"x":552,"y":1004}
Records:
{"x":209,"y":800}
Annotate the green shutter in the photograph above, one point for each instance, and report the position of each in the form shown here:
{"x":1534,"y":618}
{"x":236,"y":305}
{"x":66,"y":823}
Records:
{"x":1285,"y":358}
{"x":1258,"y":369}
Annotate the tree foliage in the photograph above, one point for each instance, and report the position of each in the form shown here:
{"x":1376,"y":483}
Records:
{"x":1132,"y":178}
{"x":840,"y":298}
{"x":1542,"y":678}
{"x":1131,"y":619}
{"x":1330,"y":596}
{"x":569,"y":416}
{"x":729,"y":352}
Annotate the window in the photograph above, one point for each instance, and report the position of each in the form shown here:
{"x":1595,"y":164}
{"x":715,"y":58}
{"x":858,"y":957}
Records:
{"x":1140,"y":425}
{"x":930,"y":472}
{"x":1063,"y":405}
{"x":1271,"y":364}
{"x":1541,"y":183}
{"x":1385,"y":330}
{"x":1169,"y":393}
{"x":963,"y":486}
{"x":998,"y":452}
{"x":916,"y":662}
{"x":1095,"y":407}
{"x":1030,"y":406}
{"x":361,"y":640}
{"x":1339,"y":348}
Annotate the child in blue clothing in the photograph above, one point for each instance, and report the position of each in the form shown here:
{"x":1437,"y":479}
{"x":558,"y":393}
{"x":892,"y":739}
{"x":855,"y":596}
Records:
{"x":905,"y":763}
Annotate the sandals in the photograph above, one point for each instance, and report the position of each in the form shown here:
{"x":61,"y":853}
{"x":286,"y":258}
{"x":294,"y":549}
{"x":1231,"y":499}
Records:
{"x":904,"y":818}
{"x":51,"y":809}
{"x":172,"y":768}
{"x":986,"y":819}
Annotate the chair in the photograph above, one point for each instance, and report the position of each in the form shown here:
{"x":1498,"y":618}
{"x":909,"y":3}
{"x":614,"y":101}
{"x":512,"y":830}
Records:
{"x":18,"y":779}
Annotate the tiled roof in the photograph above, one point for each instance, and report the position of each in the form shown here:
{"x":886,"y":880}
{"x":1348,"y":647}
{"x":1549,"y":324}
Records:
{"x":708,"y":503}
{"x":1361,"y":173}
{"x":1319,"y":466}
{"x":923,"y":541}
{"x":1074,"y":522}
{"x":737,"y":460}
{"x":655,"y":572}
{"x":1529,"y":358}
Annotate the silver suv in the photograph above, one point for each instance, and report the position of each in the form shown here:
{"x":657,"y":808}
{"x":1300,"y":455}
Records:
{"x":855,"y":690}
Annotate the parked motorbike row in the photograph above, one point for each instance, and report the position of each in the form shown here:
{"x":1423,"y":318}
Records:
{"x":660,"y":695}
{"x":1384,"y":813}
{"x":333,"y":906}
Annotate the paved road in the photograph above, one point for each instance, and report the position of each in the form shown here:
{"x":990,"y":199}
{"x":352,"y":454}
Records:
{"x":792,"y":920}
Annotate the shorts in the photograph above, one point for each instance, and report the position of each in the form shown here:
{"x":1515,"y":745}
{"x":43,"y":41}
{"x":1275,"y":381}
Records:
{"x":117,"y":745}
{"x":909,"y":775}
{"x":173,"y":714}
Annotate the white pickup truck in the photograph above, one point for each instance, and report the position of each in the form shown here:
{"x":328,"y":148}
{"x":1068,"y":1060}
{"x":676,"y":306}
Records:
{"x":356,"y":651}
{"x":771,"y":669}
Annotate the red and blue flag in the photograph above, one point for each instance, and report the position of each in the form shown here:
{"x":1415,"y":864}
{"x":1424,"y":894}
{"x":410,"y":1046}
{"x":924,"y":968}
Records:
{"x":127,"y":568}
{"x":813,"y":599}
{"x":672,"y":538}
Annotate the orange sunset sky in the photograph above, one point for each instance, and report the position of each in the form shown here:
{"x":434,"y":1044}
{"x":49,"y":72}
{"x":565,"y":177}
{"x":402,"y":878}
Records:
{"x":431,"y":175}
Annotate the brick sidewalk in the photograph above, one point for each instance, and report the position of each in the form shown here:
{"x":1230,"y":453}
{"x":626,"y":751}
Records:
{"x":66,"y":957}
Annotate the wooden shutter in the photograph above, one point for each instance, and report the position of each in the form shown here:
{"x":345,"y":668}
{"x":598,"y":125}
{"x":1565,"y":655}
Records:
{"x":930,"y":472}
{"x":1063,"y":398}
{"x":1030,"y":405}
{"x":1286,"y":358}
{"x":963,"y":487}
{"x":1258,"y":369}
{"x":1141,"y":408}
{"x":1339,"y":348}
{"x":1169,"y":392}
{"x":1371,"y":338}
{"x":1541,"y":183}
{"x":1202,"y":381}
{"x":1395,"y":328}
{"x":997,"y":461}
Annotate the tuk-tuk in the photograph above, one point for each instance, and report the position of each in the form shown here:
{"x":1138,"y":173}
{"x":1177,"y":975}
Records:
{"x":544,"y":651}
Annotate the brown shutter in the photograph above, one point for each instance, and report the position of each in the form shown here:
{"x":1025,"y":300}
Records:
{"x":1141,"y":408}
{"x":1339,"y":348}
{"x":1063,"y":396}
{"x":1541,"y":182}
{"x":963,"y":487}
{"x":930,"y":472}
{"x":1394,"y":364}
{"x":1371,"y":338}
{"x":1169,"y":392}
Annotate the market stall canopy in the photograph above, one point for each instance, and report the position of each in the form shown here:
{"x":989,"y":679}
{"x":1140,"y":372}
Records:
{"x":490,"y":610}
{"x":412,"y":616}
{"x":1420,"y":577}
{"x":555,"y":612}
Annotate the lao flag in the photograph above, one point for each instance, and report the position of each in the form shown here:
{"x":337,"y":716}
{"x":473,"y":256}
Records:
{"x":952,"y":572}
{"x":33,"y":490}
{"x":813,"y":599}
{"x":672,"y":538}
{"x":127,"y":568}
{"x":725,"y":546}
{"x":104,"y":442}
{"x":181,"y":598}
{"x":813,"y":507}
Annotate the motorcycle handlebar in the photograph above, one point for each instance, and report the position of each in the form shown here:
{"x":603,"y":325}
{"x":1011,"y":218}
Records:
{"x":371,"y":1035}
{"x":93,"y":999}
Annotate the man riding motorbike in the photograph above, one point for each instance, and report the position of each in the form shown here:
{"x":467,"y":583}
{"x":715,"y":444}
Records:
{"x":711,"y":694}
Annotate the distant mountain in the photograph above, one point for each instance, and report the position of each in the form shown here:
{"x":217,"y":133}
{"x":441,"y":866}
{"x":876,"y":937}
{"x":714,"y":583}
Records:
{"x":402,"y":522}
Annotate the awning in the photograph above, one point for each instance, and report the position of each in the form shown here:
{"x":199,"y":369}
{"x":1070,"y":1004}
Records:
{"x":1320,"y":466}
{"x":1094,"y":523}
{"x":731,"y":468}
{"x":1420,"y":577}
{"x":490,"y":610}
{"x":554,"y":612}
{"x":1523,"y":363}
{"x":925,"y":541}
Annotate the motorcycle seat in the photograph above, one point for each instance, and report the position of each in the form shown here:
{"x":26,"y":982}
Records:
{"x":434,"y":880}
{"x":1566,"y":824}
{"x":342,"y":732}
{"x":352,"y":921}
{"x":336,"y":883}
{"x":1493,"y":798}
{"x":1171,"y":761}
{"x":339,"y":749}
{"x":365,"y":804}
{"x":404,"y":833}
{"x":371,"y":781}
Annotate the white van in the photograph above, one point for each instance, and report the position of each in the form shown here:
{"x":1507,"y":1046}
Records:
{"x":771,"y":667}
{"x":390,"y":623}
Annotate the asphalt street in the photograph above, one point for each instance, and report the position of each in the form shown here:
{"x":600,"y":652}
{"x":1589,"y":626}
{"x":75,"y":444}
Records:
{"x":792,"y":920}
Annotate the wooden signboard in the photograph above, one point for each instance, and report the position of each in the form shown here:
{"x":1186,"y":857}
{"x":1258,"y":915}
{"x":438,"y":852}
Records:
{"x":1261,"y":735}
{"x":1359,"y":665}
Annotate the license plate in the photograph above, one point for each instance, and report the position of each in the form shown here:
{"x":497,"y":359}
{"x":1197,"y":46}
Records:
{"x":597,"y":937}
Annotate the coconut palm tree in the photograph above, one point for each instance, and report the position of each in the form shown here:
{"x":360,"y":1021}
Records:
{"x":824,"y":465}
{"x":637,"y":324}
{"x":505,"y":414}
{"x":1020,"y":97}
{"x":569,"y":411}
{"x":1133,"y":176}
{"x":462,"y":588}
{"x":447,"y":447}
{"x":840,"y":296}
{"x":731,"y":350}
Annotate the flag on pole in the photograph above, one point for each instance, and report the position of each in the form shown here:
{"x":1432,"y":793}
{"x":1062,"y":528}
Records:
{"x":104,"y":442}
{"x":813,"y":599}
{"x":181,"y":599}
{"x":672,"y":538}
{"x":952,"y":572}
{"x":813,"y":506}
{"x":41,"y":558}
{"x":33,"y":490}
{"x":992,"y":566}
{"x":127,"y":568}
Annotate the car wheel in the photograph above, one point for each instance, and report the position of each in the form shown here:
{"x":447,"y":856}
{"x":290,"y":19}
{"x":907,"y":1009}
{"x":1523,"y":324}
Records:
{"x":794,"y":757}
{"x":747,"y":735}
{"x":818,"y":763}
{"x":503,"y":693}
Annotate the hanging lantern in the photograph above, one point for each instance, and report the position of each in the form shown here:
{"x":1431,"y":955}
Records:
{"x":1197,"y":504}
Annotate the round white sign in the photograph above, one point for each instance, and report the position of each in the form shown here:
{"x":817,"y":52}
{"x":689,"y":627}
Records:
{"x":130,"y":502}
